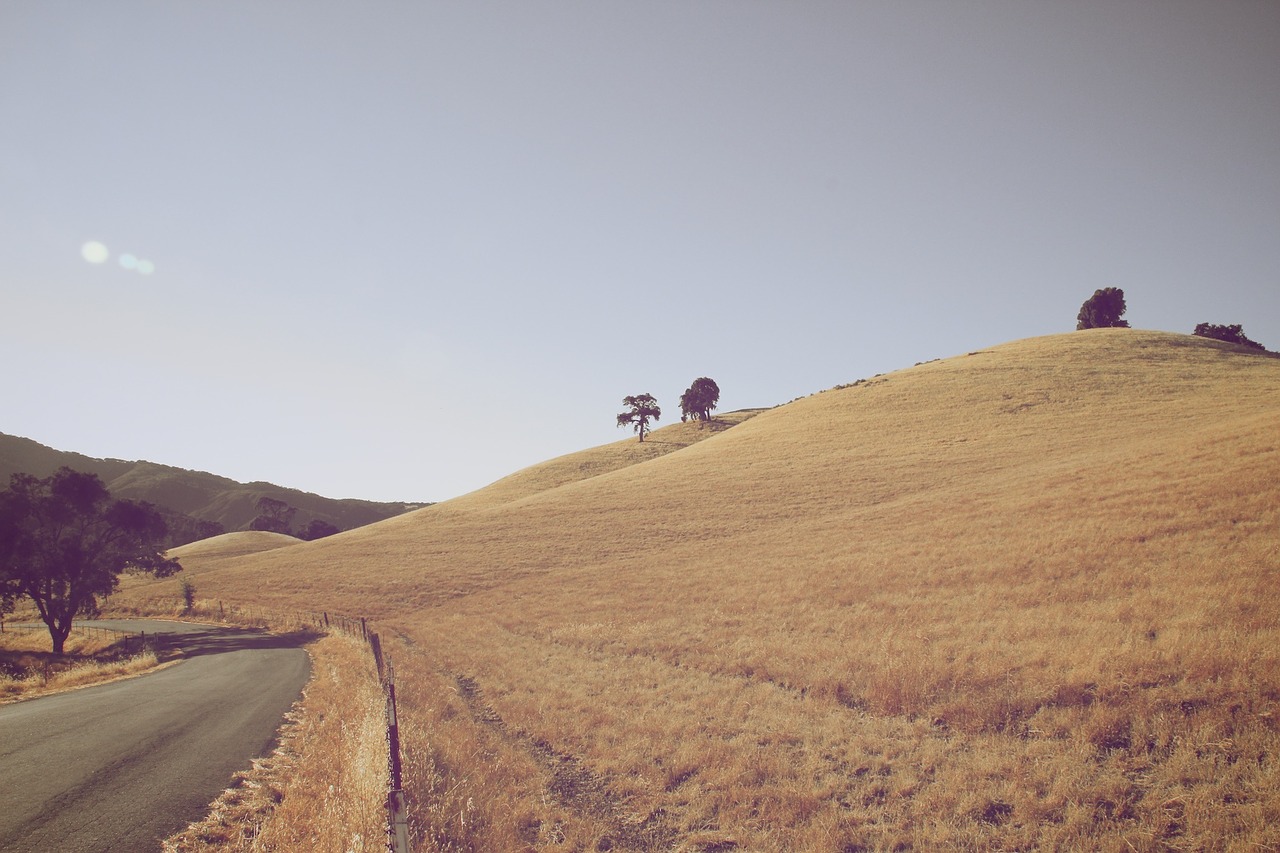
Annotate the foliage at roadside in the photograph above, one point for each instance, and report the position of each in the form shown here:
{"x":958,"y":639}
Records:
{"x":64,"y":542}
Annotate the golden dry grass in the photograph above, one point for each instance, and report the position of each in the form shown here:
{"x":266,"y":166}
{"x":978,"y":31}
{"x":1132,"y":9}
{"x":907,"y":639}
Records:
{"x":209,"y":553}
{"x":1022,"y":598}
{"x":88,"y":660}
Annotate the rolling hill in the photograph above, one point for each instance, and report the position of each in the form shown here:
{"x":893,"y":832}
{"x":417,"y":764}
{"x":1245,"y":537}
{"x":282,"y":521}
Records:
{"x":1025,"y":597}
{"x":196,"y":494}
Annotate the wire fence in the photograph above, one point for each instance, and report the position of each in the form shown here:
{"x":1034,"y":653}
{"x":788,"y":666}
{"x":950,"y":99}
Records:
{"x":397,"y":816}
{"x":87,"y":631}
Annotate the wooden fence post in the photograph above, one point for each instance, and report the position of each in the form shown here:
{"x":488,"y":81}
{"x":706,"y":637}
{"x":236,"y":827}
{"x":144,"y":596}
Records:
{"x":397,"y":819}
{"x":376,"y":642}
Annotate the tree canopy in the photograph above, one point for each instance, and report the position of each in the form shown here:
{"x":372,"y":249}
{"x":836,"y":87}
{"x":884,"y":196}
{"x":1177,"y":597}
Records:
{"x":1103,"y":310}
{"x":317,"y":529}
{"x":699,"y":399}
{"x":641,"y":408}
{"x":64,"y":543}
{"x":1233,"y":334}
{"x":274,"y":515}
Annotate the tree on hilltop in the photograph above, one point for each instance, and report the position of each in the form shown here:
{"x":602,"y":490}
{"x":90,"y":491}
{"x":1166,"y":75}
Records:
{"x":1103,"y":310}
{"x":1233,"y":334}
{"x":64,"y":542}
{"x":699,"y":399}
{"x":640,"y":410}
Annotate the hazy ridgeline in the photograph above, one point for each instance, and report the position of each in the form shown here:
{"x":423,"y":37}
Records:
{"x":1024,"y":597}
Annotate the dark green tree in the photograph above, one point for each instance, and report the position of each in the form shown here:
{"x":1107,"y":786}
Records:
{"x":9,"y":588}
{"x":699,"y":399}
{"x":184,"y":528}
{"x":1233,"y":334}
{"x":1103,"y":310}
{"x":273,"y":515}
{"x":641,"y":409}
{"x":317,"y":529}
{"x":64,"y":542}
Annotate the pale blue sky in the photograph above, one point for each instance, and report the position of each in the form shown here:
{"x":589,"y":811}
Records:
{"x":402,"y":249}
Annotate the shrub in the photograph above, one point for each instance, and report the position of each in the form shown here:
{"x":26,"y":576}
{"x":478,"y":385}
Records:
{"x":1233,"y":334}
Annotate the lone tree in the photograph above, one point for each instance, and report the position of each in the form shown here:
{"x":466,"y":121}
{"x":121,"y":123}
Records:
{"x":1233,"y":334}
{"x":699,"y":399}
{"x":64,"y":544}
{"x":640,"y":410}
{"x":273,"y":515}
{"x":1103,"y":310}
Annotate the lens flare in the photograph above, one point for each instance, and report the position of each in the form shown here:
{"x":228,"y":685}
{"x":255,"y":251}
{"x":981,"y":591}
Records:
{"x":128,"y":261}
{"x":145,"y":267}
{"x":94,"y":252}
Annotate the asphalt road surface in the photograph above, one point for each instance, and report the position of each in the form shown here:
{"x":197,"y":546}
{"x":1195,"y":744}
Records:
{"x":121,"y":766}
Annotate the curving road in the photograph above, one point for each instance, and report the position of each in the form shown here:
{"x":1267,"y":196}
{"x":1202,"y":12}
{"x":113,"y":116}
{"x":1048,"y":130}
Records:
{"x":121,"y":766}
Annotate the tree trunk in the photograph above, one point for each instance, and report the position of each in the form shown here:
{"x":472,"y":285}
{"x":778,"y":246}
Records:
{"x":58,"y":634}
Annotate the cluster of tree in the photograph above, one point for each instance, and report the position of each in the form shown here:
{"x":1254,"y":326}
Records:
{"x":697,"y":402}
{"x":1233,"y":334}
{"x":276,"y":516}
{"x":183,"y":528}
{"x":1104,"y":309}
{"x":64,"y":542}
{"x":699,"y":399}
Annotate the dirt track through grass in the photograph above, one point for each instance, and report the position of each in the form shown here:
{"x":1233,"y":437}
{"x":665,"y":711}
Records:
{"x":572,"y":786}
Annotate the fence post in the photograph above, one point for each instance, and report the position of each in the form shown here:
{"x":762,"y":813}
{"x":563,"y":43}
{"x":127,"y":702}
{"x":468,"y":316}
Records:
{"x":376,"y":642}
{"x":397,"y":820}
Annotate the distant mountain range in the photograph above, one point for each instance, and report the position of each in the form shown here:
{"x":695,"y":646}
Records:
{"x":196,"y":504}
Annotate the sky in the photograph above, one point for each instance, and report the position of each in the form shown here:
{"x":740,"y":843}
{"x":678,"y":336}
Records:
{"x":398,"y":250}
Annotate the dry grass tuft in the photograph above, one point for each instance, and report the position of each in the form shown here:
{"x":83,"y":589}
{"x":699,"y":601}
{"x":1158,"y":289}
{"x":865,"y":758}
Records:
{"x":1025,"y":598}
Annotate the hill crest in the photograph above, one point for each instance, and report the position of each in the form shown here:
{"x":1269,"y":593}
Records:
{"x":196,"y":494}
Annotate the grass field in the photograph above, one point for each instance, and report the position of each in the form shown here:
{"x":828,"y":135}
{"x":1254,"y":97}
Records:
{"x":1021,"y":598}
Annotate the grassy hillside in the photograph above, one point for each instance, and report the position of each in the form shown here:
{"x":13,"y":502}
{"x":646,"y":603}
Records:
{"x":1024,"y":597}
{"x":211,"y":553}
{"x":203,"y":496}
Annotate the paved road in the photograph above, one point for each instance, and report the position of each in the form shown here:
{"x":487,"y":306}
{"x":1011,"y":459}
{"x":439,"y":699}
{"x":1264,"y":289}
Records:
{"x":121,"y":766}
